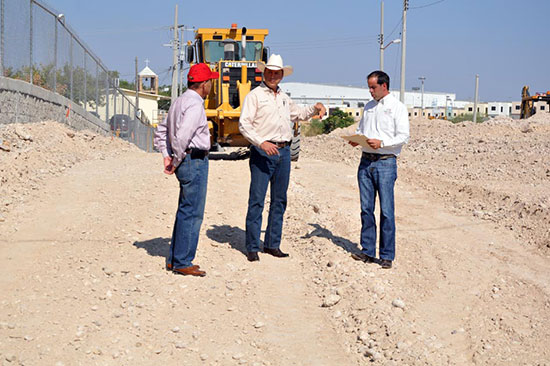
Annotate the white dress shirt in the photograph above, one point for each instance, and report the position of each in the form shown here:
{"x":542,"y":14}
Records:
{"x":268,"y":116}
{"x":386,"y":120}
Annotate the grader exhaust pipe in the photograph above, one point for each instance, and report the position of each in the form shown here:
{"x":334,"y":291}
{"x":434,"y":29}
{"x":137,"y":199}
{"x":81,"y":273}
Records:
{"x":244,"y":85}
{"x":243,"y":43}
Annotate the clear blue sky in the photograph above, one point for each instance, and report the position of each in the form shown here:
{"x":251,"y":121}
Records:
{"x":504,"y":41}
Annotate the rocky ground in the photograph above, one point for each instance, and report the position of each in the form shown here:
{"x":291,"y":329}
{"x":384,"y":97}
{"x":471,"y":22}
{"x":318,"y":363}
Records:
{"x":498,"y":170}
{"x":32,"y":153}
{"x":85,"y":229}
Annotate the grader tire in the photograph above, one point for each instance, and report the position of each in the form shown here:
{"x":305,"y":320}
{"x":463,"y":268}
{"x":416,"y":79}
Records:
{"x":295,"y":146}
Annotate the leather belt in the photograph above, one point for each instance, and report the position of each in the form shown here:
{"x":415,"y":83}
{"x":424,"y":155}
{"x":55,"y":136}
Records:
{"x":196,"y":153}
{"x":280,"y":144}
{"x":376,"y":157}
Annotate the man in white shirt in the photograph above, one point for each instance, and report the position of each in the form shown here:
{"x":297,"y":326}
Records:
{"x":385,"y":123}
{"x":266,"y":121}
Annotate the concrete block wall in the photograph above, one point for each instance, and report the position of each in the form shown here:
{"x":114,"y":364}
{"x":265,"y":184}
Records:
{"x":21,"y":102}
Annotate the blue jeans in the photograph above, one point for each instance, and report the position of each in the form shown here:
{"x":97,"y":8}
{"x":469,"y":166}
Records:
{"x":192,"y":175}
{"x":264,"y":170}
{"x":377,"y":177}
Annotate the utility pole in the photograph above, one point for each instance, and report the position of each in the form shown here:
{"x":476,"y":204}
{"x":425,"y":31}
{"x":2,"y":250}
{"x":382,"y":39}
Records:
{"x":422,"y":78}
{"x":475,"y":98}
{"x":2,"y":37}
{"x":30,"y":49}
{"x":175,"y":66}
{"x":55,"y":57}
{"x":403,"y":50}
{"x":137,"y":88}
{"x":381,"y":36}
{"x":180,"y":61}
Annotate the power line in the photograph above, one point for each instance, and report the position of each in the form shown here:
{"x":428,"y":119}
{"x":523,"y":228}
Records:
{"x":397,"y":54}
{"x":394,"y":28}
{"x":319,"y":46}
{"x":126,"y":30}
{"x":427,"y":5}
{"x":323,"y":41}
{"x":166,"y":74}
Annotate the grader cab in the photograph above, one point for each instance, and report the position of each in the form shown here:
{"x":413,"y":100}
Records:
{"x":233,"y":53}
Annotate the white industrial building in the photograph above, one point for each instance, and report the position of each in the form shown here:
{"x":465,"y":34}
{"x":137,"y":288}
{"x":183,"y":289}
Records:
{"x":356,"y":97}
{"x":499,"y":109}
{"x":436,"y":104}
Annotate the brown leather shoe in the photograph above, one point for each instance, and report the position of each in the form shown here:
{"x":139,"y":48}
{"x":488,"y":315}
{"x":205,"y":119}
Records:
{"x":363,"y":257}
{"x":169,"y":266}
{"x":189,"y":271}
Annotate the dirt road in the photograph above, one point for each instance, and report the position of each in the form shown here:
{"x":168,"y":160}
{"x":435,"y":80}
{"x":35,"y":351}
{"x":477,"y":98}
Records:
{"x":83,"y":282}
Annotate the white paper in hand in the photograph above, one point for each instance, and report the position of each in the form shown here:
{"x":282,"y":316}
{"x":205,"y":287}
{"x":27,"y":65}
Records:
{"x":358,"y":139}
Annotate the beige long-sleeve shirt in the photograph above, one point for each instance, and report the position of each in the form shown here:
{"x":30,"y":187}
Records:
{"x":269,"y":116}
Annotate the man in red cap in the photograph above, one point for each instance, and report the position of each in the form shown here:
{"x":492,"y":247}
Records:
{"x":183,"y":138}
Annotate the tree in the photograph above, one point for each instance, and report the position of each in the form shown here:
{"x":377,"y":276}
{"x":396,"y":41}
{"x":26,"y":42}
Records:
{"x":126,"y":85}
{"x":165,"y":104}
{"x":337,"y":119}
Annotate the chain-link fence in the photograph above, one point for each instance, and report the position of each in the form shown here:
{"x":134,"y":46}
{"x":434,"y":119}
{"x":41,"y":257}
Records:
{"x":37,"y":46}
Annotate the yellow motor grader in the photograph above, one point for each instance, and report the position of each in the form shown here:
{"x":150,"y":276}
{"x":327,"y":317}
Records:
{"x":528,"y":102}
{"x":234,"y":53}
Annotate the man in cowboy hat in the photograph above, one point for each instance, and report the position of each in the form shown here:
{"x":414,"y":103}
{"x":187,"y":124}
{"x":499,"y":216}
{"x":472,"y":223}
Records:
{"x":183,"y":138}
{"x":267,"y":123}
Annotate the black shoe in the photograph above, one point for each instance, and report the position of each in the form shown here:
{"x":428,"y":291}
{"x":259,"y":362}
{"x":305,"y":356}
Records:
{"x":276,"y":252}
{"x":363,"y":257}
{"x":252,"y":256}
{"x":385,"y":263}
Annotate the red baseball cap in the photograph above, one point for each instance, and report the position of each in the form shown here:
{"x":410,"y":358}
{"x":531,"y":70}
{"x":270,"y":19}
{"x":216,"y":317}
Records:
{"x":201,"y":72}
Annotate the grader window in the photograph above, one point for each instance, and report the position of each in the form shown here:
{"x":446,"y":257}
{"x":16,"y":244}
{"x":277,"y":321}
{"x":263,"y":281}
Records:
{"x":230,"y":51}
{"x":215,"y":51}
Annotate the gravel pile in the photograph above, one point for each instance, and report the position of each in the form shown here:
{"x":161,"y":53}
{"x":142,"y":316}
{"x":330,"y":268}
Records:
{"x":30,"y":153}
{"x":498,"y":170}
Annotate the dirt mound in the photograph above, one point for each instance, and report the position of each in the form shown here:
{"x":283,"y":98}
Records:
{"x":29,"y":153}
{"x":83,"y":278}
{"x":497,"y":170}
{"x":350,"y":130}
{"x":541,"y":118}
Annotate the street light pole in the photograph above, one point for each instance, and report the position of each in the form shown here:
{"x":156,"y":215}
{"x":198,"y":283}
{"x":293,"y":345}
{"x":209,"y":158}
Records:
{"x":382,"y":52}
{"x":175,"y":66}
{"x":381,"y":37}
{"x":475,"y":98}
{"x":403,"y":51}
{"x":422,"y":78}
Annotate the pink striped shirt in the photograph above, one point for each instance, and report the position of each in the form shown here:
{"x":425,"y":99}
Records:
{"x":184,"y":127}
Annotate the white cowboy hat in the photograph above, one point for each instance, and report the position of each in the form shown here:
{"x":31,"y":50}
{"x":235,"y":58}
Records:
{"x":275,"y":62}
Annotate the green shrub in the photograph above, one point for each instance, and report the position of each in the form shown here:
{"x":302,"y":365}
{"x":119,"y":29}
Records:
{"x":314,"y":128}
{"x":467,"y":117}
{"x":337,"y":119}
